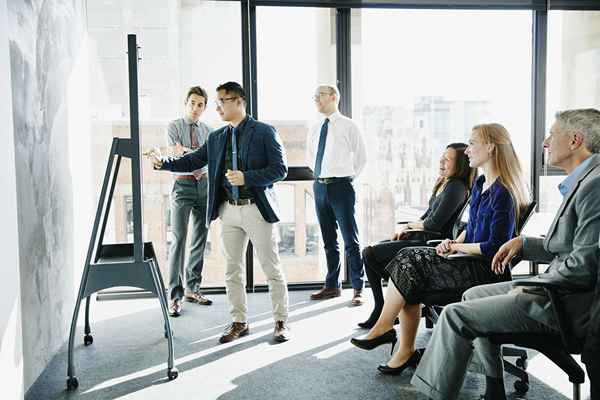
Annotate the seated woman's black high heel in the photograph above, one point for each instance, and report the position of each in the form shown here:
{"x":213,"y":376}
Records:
{"x":369,"y":344}
{"x":413,"y":361}
{"x":368,"y":324}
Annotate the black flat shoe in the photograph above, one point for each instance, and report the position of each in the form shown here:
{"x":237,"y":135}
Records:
{"x":412,"y":362}
{"x":369,"y":344}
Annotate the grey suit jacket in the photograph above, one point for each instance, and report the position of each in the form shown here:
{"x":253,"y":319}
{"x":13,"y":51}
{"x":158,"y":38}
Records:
{"x":570,"y":247}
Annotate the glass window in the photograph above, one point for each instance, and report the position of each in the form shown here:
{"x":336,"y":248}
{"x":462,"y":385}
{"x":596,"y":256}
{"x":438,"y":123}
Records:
{"x":573,"y":72}
{"x":295,"y":52}
{"x":183,"y":44}
{"x":423,"y":79}
{"x":573,"y":81}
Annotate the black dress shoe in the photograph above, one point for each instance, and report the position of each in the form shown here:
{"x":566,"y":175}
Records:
{"x":369,"y":344}
{"x":412,"y":362}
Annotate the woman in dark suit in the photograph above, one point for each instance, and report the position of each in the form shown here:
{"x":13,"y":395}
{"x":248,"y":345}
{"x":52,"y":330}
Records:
{"x":447,"y":199}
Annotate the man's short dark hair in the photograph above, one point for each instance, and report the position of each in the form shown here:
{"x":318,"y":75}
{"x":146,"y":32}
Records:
{"x":233,"y":88}
{"x":197,"y":90}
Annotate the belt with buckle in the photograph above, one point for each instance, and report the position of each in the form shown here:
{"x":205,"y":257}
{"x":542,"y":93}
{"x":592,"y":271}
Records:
{"x":327,"y":181}
{"x":240,"y":202}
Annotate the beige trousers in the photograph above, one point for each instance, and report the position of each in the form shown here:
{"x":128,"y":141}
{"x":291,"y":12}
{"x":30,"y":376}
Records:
{"x":240,"y":224}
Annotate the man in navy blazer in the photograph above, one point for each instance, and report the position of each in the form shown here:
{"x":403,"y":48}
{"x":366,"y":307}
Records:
{"x":244,"y":158}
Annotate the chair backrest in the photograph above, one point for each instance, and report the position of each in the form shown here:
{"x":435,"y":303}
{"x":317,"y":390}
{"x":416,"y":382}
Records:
{"x":524,"y":217}
{"x":461,"y":220}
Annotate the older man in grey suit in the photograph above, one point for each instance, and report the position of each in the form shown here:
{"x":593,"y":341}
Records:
{"x":570,"y":247}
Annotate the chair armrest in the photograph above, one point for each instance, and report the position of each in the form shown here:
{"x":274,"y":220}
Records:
{"x":553,"y":291}
{"x":422,"y":234}
{"x":424,"y":231}
{"x":465,"y":256}
{"x":535,"y":282}
{"x":434,"y":242}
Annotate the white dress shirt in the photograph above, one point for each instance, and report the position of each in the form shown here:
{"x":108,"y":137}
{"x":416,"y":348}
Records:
{"x":345,"y":153}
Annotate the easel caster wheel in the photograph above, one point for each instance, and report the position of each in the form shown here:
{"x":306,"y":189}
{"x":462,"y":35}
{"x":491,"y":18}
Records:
{"x":521,"y":387}
{"x":87,"y":340}
{"x":72,"y":383}
{"x":173,"y":374}
{"x":522,"y":363}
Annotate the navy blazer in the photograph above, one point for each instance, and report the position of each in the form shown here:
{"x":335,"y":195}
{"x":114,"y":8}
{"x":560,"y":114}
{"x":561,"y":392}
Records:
{"x":262,"y":159}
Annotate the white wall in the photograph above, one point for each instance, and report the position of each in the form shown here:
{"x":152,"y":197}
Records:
{"x":45,"y":41}
{"x":11,"y":350}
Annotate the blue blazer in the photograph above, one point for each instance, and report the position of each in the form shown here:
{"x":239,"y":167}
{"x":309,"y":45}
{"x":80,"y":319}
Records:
{"x":262,"y":159}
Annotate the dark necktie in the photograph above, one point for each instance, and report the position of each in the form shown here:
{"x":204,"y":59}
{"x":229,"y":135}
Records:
{"x":235,"y":191}
{"x":193,"y":137}
{"x":321,"y":148}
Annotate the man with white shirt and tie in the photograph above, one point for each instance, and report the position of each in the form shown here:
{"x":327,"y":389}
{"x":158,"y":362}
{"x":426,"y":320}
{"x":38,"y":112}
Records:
{"x":188,"y":197}
{"x":337,"y":151}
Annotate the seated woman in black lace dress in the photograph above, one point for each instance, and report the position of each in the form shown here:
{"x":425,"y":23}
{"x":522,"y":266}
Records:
{"x":497,"y":198}
{"x":448,"y":198}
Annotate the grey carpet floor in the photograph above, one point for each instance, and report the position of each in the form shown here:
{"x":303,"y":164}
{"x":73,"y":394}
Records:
{"x":128,"y":357}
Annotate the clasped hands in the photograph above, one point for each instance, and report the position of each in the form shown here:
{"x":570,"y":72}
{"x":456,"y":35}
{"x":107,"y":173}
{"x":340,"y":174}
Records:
{"x":445,"y":248}
{"x":401,"y":234}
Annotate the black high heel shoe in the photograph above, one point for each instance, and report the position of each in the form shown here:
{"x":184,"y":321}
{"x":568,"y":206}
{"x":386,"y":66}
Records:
{"x":368,"y":324}
{"x":369,"y":344}
{"x":413,"y":361}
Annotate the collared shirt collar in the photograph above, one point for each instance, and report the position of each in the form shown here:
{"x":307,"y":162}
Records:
{"x":189,"y":121}
{"x":334,"y":116}
{"x":565,"y":186}
{"x":241,"y":125}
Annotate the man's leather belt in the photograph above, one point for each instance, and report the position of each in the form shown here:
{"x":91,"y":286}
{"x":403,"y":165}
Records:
{"x":327,"y":181}
{"x":190,"y":177}
{"x":240,"y":202}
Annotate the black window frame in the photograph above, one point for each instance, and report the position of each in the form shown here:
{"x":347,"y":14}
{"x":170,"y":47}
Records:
{"x":539,"y":39}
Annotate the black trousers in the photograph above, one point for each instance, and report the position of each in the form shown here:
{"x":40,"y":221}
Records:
{"x":375,"y":259}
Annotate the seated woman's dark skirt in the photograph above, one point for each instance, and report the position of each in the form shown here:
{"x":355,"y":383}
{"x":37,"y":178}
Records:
{"x":416,"y":271}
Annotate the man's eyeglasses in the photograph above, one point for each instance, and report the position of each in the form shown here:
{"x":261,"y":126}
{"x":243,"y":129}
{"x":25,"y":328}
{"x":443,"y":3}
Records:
{"x":318,"y":95}
{"x":221,"y":102}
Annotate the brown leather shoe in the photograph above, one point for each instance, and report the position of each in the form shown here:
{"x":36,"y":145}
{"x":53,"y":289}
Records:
{"x":234,"y":331}
{"x":175,"y":308}
{"x":282,"y":332}
{"x":326,"y":293}
{"x":197,"y":297}
{"x":357,"y":299}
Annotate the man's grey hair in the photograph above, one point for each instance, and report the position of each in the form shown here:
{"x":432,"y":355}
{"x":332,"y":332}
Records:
{"x":585,"y":121}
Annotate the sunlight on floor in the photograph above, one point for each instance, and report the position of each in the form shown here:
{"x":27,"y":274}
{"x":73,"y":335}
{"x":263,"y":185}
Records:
{"x":340,"y":322}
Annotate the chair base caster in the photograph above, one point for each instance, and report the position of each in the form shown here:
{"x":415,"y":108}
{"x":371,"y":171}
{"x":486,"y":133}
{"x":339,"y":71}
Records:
{"x":521,"y":387}
{"x":172,"y":374}
{"x":521,"y":363}
{"x":87,"y":340}
{"x":72,"y":383}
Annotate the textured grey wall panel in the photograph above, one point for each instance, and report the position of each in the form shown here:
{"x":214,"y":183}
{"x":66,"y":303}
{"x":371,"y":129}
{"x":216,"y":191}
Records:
{"x":44,"y":38}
